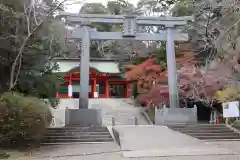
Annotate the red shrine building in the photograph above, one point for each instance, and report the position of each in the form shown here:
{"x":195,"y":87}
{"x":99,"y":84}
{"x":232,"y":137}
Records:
{"x":105,"y":79}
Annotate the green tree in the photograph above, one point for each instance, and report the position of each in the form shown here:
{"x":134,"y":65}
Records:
{"x":122,"y":49}
{"x":183,"y":8}
{"x":31,"y":37}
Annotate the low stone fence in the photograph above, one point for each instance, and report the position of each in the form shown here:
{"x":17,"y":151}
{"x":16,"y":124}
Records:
{"x":175,"y":115}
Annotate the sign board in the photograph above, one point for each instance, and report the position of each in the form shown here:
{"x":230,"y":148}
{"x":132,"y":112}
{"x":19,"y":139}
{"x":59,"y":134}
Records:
{"x":230,"y":109}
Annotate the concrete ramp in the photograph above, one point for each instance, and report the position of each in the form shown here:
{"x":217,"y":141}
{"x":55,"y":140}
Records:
{"x":160,"y":141}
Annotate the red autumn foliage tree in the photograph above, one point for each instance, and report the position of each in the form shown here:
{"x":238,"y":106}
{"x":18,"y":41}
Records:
{"x":194,"y":83}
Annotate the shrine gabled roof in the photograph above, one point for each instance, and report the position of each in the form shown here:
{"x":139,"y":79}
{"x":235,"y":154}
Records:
{"x":112,"y":75}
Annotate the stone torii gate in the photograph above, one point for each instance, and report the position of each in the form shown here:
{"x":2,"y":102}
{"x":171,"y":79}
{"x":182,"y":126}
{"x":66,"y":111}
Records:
{"x":130,"y":31}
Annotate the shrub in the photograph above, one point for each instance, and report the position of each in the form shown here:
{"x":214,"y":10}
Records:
{"x":22,"y":117}
{"x":228,"y":94}
{"x":236,"y":124}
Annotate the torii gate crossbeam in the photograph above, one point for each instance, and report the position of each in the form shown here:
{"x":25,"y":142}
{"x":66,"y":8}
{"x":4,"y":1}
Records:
{"x":130,"y":27}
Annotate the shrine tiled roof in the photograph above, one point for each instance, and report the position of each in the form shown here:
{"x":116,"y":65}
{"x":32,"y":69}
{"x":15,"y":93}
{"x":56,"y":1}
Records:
{"x":75,"y":71}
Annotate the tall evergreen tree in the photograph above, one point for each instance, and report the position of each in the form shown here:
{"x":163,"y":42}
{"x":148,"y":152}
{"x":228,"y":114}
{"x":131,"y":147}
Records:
{"x":30,"y":37}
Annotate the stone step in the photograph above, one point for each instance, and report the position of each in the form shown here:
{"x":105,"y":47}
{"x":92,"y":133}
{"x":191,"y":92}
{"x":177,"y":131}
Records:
{"x":218,"y":137}
{"x":78,"y":133}
{"x":187,"y":128}
{"x":76,"y":137}
{"x":199,"y":127}
{"x":70,"y":143}
{"x":65,"y":129}
{"x":223,"y":140}
{"x":213,"y":134}
{"x":75,"y":134}
{"x":77,"y":127}
{"x":205,"y":131}
{"x":67,"y":140}
{"x":198,"y":124}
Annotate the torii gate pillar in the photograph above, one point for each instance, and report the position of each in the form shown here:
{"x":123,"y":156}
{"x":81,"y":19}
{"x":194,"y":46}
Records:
{"x":172,"y":71}
{"x":84,"y":115}
{"x":173,"y":114}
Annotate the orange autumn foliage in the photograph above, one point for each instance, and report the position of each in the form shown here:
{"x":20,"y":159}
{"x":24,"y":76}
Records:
{"x":149,"y":73}
{"x":153,"y":82}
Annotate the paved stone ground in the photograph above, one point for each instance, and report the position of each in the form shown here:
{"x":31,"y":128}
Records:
{"x":233,"y":145}
{"x":209,"y":157}
{"x":156,"y":145}
{"x":121,"y":109}
{"x":137,"y":142}
{"x":159,"y":142}
{"x":105,"y":151}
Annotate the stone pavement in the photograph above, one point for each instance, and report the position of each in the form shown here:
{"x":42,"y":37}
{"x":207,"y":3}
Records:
{"x":121,"y":109}
{"x":101,"y":151}
{"x":144,"y":143}
{"x":159,"y":142}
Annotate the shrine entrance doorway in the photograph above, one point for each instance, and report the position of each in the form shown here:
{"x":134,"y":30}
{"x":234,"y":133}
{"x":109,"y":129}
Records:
{"x":101,"y":85}
{"x":117,"y":91}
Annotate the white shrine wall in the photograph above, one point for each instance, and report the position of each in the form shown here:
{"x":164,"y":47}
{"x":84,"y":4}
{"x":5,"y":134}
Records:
{"x":103,"y":66}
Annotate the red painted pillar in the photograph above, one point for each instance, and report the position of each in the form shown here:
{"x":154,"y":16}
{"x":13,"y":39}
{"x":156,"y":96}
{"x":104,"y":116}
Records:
{"x":106,"y":89}
{"x":94,"y":87}
{"x":125,"y":90}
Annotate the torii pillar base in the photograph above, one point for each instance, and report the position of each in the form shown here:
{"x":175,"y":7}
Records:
{"x":83,"y":117}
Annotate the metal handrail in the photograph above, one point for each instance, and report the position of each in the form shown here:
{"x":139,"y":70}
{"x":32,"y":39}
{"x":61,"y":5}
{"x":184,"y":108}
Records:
{"x":146,"y":115}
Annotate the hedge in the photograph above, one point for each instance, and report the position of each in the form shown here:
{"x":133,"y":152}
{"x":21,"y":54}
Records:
{"x":22,"y":117}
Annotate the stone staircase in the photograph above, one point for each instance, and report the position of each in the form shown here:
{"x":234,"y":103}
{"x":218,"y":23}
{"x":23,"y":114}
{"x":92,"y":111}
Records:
{"x":76,"y":134}
{"x":209,"y":132}
{"x":121,"y":110}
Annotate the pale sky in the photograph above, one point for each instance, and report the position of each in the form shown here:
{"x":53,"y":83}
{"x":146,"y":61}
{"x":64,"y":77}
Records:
{"x":74,"y":8}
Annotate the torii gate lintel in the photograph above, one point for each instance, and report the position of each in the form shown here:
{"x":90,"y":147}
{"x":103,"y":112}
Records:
{"x":130,"y":26}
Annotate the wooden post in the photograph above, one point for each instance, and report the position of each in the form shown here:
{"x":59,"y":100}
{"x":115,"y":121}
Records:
{"x":106,"y":89}
{"x":125,"y":90}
